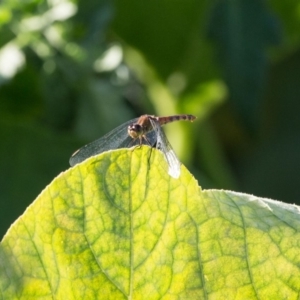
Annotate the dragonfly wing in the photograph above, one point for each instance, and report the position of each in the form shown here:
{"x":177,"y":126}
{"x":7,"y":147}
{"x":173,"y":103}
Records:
{"x":151,"y":139}
{"x":115,"y":139}
{"x":163,"y":144}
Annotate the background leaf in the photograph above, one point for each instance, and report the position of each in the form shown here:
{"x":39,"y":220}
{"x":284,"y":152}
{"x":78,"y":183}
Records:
{"x":242,"y":30}
{"x":117,"y":226}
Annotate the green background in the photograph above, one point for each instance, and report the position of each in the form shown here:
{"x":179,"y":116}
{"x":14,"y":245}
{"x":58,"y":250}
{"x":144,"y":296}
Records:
{"x":70,"y":71}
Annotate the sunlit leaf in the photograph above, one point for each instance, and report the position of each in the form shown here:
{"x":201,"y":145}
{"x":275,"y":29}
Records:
{"x":118,"y":226}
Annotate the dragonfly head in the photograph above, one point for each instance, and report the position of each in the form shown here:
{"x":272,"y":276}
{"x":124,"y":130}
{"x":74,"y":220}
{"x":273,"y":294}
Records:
{"x":135,"y":131}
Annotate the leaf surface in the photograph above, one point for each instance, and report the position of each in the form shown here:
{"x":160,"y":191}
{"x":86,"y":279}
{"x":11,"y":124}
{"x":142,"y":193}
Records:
{"x":118,"y":226}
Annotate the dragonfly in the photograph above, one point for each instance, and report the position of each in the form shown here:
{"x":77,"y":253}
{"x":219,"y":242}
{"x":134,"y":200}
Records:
{"x":145,"y":130}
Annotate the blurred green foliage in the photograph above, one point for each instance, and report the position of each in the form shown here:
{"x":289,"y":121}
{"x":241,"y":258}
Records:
{"x":72,"y":70}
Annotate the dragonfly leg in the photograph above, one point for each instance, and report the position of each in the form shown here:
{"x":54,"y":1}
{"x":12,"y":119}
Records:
{"x":141,"y":137}
{"x":146,"y":139}
{"x":136,"y":146}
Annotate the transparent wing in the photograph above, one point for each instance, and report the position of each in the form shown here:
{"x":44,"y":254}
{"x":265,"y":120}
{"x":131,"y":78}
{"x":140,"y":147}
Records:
{"x":163,"y":144}
{"x":115,"y":139}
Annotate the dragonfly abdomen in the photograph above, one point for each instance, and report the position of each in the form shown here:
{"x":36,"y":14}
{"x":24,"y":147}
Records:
{"x":169,"y":119}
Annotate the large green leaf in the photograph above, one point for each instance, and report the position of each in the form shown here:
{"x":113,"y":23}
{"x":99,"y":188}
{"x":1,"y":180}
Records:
{"x":119,"y":227}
